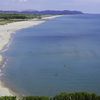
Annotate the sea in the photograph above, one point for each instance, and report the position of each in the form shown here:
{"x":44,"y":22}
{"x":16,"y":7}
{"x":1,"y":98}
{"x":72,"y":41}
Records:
{"x":60,"y":55}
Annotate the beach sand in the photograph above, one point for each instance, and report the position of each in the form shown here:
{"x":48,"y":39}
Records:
{"x":6,"y":32}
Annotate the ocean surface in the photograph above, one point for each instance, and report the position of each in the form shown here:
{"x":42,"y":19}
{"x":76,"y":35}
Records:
{"x":60,"y":55}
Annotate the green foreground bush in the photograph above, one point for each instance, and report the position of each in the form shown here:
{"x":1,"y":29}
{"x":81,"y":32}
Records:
{"x":62,"y":96}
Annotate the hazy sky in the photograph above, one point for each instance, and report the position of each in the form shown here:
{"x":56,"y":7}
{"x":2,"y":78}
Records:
{"x":92,"y":6}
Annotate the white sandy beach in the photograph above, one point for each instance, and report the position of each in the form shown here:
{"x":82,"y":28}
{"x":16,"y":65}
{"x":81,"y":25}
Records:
{"x":6,"y":32}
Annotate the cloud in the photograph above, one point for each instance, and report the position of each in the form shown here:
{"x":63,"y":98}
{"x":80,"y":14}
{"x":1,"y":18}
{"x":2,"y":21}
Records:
{"x":92,"y":6}
{"x":23,"y":0}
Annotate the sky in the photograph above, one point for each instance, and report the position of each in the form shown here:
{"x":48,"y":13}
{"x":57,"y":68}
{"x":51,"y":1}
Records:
{"x":87,"y":6}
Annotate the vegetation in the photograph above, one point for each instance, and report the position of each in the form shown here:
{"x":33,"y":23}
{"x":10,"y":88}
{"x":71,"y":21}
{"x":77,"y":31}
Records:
{"x":36,"y":98}
{"x":8,"y":18}
{"x":18,"y":16}
{"x":62,"y":96}
{"x":77,"y":96}
{"x":8,"y":98}
{"x":2,"y":22}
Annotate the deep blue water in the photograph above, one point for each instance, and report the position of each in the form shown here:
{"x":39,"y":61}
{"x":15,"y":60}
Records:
{"x":59,"y":55}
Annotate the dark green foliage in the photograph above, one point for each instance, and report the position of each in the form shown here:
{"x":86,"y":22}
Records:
{"x":76,"y":96}
{"x":62,"y":96}
{"x":18,"y":16}
{"x":35,"y":98}
{"x":9,"y":18}
{"x":98,"y":98}
{"x":7,"y":98}
{"x":39,"y":17}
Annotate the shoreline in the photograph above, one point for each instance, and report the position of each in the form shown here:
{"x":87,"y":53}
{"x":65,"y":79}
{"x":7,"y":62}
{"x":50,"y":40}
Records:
{"x":6,"y":32}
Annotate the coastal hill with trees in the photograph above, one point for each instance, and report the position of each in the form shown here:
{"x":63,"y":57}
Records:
{"x":44,"y":12}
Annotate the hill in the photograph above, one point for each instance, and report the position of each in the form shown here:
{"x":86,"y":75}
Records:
{"x":45,"y":12}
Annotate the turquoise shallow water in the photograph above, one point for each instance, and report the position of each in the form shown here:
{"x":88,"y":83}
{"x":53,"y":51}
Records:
{"x":62,"y":54}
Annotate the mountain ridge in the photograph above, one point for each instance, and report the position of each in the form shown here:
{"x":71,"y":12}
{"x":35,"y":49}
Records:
{"x":44,"y":12}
